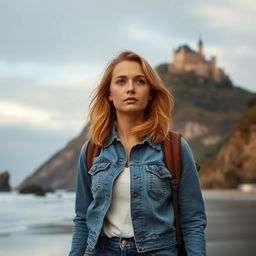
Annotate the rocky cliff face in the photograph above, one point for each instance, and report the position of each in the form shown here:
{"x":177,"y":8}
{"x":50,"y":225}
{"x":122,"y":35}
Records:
{"x":4,"y":181}
{"x":60,"y":170}
{"x":236,"y":161}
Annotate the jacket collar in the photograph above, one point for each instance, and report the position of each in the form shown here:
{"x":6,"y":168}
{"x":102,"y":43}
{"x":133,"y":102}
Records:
{"x":114,"y":136}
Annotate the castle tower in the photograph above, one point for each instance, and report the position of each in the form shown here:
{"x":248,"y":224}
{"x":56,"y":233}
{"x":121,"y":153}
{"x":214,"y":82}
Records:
{"x":200,"y":47}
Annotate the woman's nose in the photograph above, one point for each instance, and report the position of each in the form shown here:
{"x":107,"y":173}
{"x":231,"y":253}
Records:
{"x":130,"y":86}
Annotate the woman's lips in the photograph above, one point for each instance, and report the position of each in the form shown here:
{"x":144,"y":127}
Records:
{"x":131,"y":99}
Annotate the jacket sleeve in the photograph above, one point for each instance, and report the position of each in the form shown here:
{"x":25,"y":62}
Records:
{"x":82,"y":201}
{"x":192,"y":209}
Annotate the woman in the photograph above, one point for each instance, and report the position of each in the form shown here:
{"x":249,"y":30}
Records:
{"x":123,"y":202}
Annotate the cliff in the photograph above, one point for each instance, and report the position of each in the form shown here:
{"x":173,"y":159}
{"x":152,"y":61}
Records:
{"x":236,"y":161}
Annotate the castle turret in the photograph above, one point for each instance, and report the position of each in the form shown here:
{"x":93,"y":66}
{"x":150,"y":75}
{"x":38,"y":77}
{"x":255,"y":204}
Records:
{"x":200,"y":47}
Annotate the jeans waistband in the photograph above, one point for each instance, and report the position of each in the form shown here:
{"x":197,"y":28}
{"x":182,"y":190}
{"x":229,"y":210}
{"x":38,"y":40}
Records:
{"x":116,"y":242}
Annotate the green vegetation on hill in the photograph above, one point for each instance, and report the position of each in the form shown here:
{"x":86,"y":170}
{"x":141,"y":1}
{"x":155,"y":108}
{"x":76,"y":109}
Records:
{"x":190,"y":89}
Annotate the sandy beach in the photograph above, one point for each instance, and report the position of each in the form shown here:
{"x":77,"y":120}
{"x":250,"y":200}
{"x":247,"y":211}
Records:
{"x":230,"y":230}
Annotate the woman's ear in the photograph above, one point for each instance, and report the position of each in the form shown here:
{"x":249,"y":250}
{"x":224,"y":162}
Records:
{"x":110,"y":98}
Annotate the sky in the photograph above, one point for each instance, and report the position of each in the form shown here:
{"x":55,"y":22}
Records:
{"x":53,"y":53}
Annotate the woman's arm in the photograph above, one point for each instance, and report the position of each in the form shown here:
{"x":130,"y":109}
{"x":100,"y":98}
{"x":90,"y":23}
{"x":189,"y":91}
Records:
{"x":192,"y":210}
{"x":83,"y":199}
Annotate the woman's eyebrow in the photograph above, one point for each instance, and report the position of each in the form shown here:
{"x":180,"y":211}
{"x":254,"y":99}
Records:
{"x":123,"y":76}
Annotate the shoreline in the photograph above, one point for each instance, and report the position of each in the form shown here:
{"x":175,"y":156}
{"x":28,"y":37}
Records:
{"x":228,"y":191}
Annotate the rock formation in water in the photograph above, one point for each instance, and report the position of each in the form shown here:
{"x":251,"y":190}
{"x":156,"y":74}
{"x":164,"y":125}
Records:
{"x":4,"y":181}
{"x":34,"y":189}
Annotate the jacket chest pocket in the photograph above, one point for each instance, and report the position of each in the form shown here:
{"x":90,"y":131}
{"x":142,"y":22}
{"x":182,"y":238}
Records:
{"x":97,"y":172}
{"x":158,"y":181}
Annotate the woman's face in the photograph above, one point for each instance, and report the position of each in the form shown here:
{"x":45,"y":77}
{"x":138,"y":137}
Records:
{"x":129,"y":89}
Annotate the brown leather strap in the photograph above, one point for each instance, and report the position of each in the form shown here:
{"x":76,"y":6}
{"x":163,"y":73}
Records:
{"x":176,"y":149}
{"x":92,"y":151}
{"x":172,"y":158}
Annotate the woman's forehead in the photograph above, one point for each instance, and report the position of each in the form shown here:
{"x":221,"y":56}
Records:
{"x":127,"y":68}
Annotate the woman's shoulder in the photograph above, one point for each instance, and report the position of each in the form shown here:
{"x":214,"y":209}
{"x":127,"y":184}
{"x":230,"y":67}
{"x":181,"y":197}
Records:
{"x":186,"y":151}
{"x":84,"y":145}
{"x":184,"y":144}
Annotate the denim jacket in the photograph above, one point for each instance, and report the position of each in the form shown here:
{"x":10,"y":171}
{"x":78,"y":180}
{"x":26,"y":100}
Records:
{"x":151,"y":205}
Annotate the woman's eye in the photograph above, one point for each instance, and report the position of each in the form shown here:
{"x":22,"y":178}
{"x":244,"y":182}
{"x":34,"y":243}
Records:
{"x":121,"y":81}
{"x":140,"y":81}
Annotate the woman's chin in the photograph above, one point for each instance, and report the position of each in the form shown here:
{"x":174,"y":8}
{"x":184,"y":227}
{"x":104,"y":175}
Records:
{"x":132,"y":111}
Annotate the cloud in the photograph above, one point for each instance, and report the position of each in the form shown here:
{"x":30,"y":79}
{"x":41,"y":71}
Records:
{"x":235,"y":51}
{"x":20,"y":114}
{"x":236,"y":15}
{"x":153,"y":37}
{"x":41,"y":99}
{"x":65,"y":74}
{"x":13,"y":113}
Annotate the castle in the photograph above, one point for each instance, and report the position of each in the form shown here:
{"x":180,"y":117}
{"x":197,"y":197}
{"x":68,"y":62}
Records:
{"x":185,"y":59}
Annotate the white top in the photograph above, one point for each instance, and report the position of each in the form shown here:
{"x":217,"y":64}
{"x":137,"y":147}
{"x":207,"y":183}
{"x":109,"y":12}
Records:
{"x":118,"y":221}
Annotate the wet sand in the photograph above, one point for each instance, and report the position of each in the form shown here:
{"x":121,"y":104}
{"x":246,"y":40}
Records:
{"x":231,"y":223}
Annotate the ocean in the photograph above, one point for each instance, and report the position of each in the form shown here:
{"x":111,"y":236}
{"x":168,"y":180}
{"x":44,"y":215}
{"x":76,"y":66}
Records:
{"x":42,"y":226}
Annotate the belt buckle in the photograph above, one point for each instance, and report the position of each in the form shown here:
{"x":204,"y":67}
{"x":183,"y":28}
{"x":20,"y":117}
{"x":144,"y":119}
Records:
{"x":125,"y":242}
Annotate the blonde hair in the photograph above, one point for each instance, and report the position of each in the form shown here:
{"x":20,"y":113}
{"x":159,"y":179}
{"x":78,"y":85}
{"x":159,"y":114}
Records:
{"x":102,"y":114}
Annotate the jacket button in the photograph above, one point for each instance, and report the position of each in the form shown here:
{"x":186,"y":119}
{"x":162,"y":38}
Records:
{"x":135,"y":214}
{"x":135,"y":194}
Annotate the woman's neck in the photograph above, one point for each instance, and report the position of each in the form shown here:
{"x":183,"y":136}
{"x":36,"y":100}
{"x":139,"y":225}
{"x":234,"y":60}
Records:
{"x":125,"y":124}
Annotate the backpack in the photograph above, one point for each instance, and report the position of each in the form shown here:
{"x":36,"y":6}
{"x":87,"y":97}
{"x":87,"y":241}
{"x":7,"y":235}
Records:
{"x":171,"y":147}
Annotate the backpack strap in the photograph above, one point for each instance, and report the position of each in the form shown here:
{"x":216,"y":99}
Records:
{"x":92,"y":151}
{"x":172,"y":157}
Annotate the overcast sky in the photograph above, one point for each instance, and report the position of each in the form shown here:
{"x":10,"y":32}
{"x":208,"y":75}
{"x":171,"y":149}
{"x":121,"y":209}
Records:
{"x":53,"y":52}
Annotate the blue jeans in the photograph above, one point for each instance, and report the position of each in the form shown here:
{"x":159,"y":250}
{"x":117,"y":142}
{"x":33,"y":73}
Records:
{"x":116,"y":246}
